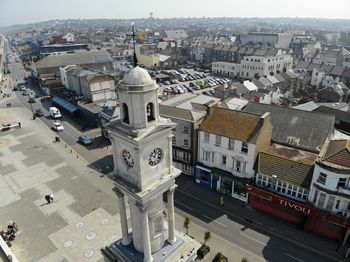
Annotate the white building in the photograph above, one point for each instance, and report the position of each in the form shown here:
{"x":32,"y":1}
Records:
{"x":264,"y":65}
{"x":228,"y":144}
{"x":93,"y":86}
{"x":226,"y":69}
{"x":69,"y":37}
{"x":317,"y":77}
{"x":330,"y":186}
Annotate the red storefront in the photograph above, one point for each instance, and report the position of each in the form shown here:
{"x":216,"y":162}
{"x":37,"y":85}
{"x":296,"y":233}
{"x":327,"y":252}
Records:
{"x":310,"y":218}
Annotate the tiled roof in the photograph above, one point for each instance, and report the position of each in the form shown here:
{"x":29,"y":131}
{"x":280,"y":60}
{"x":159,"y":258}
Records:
{"x":232,"y":124}
{"x":297,"y":128}
{"x":339,"y":114}
{"x":291,"y":171}
{"x":338,"y":153}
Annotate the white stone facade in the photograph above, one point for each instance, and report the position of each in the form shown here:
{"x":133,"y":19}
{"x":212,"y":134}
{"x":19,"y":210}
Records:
{"x":226,"y":69}
{"x":212,"y":149}
{"x":264,"y":65}
{"x":330,"y":190}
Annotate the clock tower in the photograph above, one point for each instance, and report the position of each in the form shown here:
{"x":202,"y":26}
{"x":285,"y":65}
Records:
{"x":143,"y":169}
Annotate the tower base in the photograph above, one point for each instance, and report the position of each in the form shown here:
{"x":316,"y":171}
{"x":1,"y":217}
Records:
{"x":184,"y":249}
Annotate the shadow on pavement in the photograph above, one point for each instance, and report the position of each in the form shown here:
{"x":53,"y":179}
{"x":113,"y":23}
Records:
{"x":103,"y":165}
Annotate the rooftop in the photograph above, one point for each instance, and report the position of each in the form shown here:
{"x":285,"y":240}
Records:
{"x":297,"y":128}
{"x":88,"y":57}
{"x":232,"y":124}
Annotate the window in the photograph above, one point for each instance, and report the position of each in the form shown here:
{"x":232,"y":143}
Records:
{"x":125,"y":114}
{"x":186,"y":142}
{"x":337,"y":204}
{"x":341,"y":182}
{"x":244,"y":148}
{"x":206,"y":156}
{"x":330,"y":202}
{"x":321,"y":200}
{"x":231,"y":144}
{"x":185,"y":129}
{"x":150,"y":112}
{"x":218,"y":140}
{"x":206,"y":137}
{"x":322,"y":178}
{"x":173,"y":140}
{"x":238,"y":166}
{"x":223,"y":160}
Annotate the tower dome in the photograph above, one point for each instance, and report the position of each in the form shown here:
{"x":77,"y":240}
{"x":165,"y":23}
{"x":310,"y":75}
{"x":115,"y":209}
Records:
{"x":137,"y":77}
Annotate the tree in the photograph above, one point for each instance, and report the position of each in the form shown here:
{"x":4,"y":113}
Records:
{"x":187,"y":223}
{"x":244,"y":259}
{"x":207,"y":236}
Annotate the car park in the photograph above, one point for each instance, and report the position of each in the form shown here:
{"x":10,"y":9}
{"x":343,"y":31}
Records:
{"x":57,"y":126}
{"x":85,"y":140}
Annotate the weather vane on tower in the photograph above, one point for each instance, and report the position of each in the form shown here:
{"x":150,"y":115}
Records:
{"x":134,"y":41}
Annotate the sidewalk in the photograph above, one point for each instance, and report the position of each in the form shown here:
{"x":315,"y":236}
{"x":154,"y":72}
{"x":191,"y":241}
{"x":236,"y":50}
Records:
{"x":261,"y":221}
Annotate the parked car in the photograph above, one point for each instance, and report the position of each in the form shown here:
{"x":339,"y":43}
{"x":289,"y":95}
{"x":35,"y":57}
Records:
{"x":85,"y":140}
{"x":31,"y":100}
{"x":166,"y":83}
{"x":15,"y":88}
{"x":25,"y":93}
{"x":57,"y":126}
{"x":22,"y":88}
{"x":205,"y":93}
{"x":39,"y":112}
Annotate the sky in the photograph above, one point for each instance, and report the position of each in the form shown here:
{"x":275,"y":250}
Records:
{"x":28,"y":11}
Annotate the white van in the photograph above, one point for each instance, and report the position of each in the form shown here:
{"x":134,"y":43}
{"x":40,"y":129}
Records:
{"x":54,"y":113}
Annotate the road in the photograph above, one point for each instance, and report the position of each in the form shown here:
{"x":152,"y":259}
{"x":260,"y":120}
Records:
{"x":254,"y":240}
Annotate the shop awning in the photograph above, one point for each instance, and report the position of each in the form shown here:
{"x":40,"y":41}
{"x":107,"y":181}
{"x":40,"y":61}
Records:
{"x":65,"y":104}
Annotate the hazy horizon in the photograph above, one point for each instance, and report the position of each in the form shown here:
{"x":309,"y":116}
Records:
{"x":32,"y":11}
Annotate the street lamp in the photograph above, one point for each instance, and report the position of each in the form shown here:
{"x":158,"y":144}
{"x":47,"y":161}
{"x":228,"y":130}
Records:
{"x":31,"y":106}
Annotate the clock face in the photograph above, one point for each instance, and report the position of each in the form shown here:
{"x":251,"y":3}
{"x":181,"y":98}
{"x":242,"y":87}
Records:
{"x":155,"y":157}
{"x":128,"y":160}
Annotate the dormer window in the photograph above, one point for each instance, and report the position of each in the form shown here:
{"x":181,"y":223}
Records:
{"x":125,"y":114}
{"x":150,"y":112}
{"x":244,"y":148}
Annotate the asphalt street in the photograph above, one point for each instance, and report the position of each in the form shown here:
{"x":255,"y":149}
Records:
{"x":247,"y":236}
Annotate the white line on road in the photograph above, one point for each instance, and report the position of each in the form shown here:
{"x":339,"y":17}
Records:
{"x":251,"y":238}
{"x":297,"y":259}
{"x":222,"y":224}
{"x":183,"y":205}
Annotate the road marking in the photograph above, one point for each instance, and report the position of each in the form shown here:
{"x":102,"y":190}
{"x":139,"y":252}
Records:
{"x":297,"y":259}
{"x":208,"y":217}
{"x":251,"y":238}
{"x":183,"y":205}
{"x":222,"y":224}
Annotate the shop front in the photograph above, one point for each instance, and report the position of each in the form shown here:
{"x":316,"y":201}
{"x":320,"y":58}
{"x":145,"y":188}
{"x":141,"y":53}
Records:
{"x":203,"y":176}
{"x":308,"y":217}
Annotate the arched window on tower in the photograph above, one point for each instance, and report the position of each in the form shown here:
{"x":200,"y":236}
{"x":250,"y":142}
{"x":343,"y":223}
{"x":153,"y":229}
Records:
{"x":125,"y":114}
{"x":150,"y":112}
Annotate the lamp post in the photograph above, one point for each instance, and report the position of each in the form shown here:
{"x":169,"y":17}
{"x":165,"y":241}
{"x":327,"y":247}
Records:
{"x":31,"y":106}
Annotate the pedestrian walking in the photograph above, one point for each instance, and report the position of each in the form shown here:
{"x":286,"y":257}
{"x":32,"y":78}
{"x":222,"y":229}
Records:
{"x":47,"y":198}
{"x":19,"y":124}
{"x":51,"y":197}
{"x":221,"y":201}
